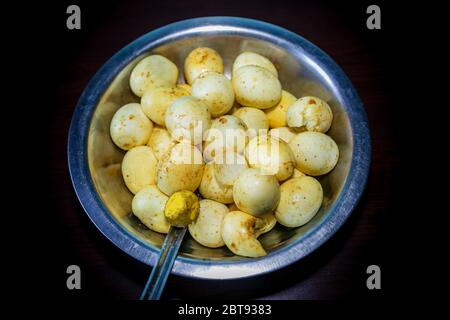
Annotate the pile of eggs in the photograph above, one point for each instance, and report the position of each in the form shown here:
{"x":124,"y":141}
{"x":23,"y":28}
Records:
{"x":249,"y":148}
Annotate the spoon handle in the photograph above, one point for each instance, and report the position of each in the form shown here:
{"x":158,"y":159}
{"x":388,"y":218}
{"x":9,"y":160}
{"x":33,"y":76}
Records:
{"x":158,"y":278}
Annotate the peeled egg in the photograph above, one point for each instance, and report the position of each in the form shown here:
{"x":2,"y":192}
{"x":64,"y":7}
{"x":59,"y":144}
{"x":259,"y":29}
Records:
{"x":271,"y":155}
{"x":181,"y":168}
{"x":160,"y":141}
{"x":277,"y":115}
{"x":228,"y":167}
{"x":211,"y":189}
{"x":300,"y":200}
{"x":155,"y":102}
{"x":310,"y":113}
{"x":153,"y":71}
{"x":216,"y":90}
{"x":298,"y":174}
{"x":255,"y":120}
{"x":240,"y":236}
{"x":256,"y":193}
{"x":130,"y":127}
{"x":315,"y":153}
{"x":201,"y":60}
{"x":265,"y":223}
{"x":206,"y":230}
{"x":256,"y":87}
{"x":283,"y":133}
{"x":148,"y":205}
{"x":185,"y":88}
{"x":187,"y":119}
{"x":251,"y":58}
{"x":227,"y":134}
{"x":139,"y":168}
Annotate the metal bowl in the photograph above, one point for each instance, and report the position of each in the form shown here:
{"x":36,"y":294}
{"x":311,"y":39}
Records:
{"x":304,"y":69}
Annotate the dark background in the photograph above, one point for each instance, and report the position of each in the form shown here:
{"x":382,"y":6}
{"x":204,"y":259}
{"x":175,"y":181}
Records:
{"x":69,"y":58}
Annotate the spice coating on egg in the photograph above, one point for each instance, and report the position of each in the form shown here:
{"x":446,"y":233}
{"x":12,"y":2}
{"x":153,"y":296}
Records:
{"x":284,"y":133}
{"x":202,"y":60}
{"x":271,"y":156}
{"x":187,"y":119}
{"x":227,"y":134}
{"x":148,"y":205}
{"x":256,"y":87}
{"x":300,"y":200}
{"x":216,"y":91}
{"x":206,"y":229}
{"x":310,"y":113}
{"x":251,"y":58}
{"x":277,"y":115}
{"x":238,"y":233}
{"x":130,"y":127}
{"x":255,"y":120}
{"x":139,"y":168}
{"x":315,"y":153}
{"x":155,"y":102}
{"x":181,"y":168}
{"x":211,"y":189}
{"x":256,"y":193}
{"x":153,"y":71}
{"x":160,"y":141}
{"x":228,"y":167}
{"x":265,"y":223}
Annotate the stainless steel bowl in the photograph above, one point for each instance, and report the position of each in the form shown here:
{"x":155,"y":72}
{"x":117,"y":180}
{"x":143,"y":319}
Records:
{"x":304,"y":69}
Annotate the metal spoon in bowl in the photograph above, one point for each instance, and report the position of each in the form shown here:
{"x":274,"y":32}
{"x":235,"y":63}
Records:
{"x":158,"y":278}
{"x":181,"y":209}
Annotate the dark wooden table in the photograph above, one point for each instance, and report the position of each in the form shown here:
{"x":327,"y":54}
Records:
{"x":337,"y":269}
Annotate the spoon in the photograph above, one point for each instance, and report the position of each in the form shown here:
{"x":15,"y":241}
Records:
{"x":181,"y":209}
{"x":158,"y":278}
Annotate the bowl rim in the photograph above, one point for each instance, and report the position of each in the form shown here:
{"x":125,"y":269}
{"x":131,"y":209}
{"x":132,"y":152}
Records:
{"x":211,"y":269}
